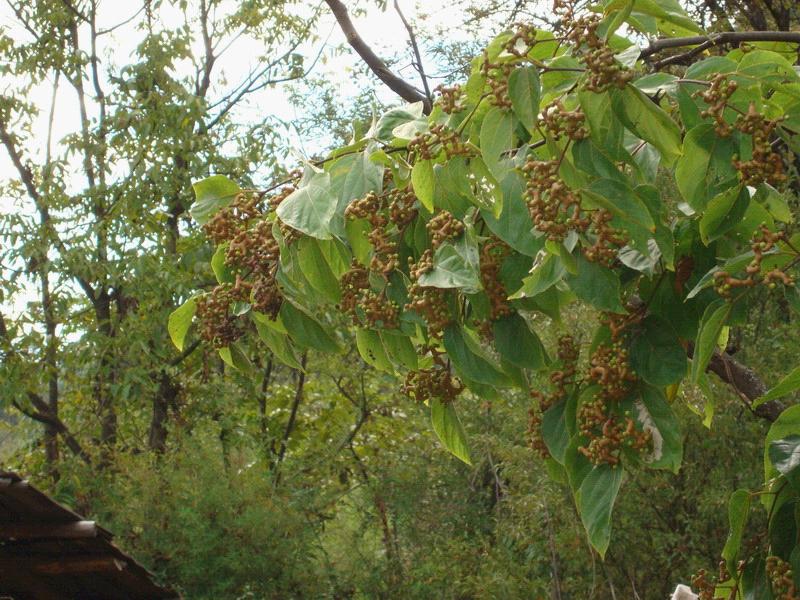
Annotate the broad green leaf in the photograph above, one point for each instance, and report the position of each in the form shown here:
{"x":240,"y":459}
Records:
{"x":723,"y":213}
{"x":524,"y":90}
{"x":423,"y":182}
{"x":656,"y":353}
{"x":554,"y":429}
{"x":711,"y":325}
{"x":705,"y":169}
{"x":785,"y":457}
{"x":514,"y":225}
{"x":180,"y":320}
{"x":372,"y":351}
{"x":622,"y":201}
{"x":448,"y":427}
{"x":596,"y":285}
{"x":785,"y":426}
{"x":305,"y":330}
{"x":317,"y":270}
{"x":517,"y":344}
{"x":310,"y":208}
{"x":665,"y":429}
{"x":648,"y":121}
{"x":235,"y":357}
{"x":486,"y":191}
{"x":455,"y":265}
{"x":212,"y":194}
{"x":596,"y":498}
{"x":396,"y":117}
{"x":497,"y":137}
{"x":738,"y":511}
{"x":606,"y":129}
{"x":469,"y":364}
{"x":775,"y":202}
{"x":785,"y":386}
{"x":221,"y":270}
{"x":400,"y":349}
{"x":656,"y":82}
{"x":547,"y":270}
{"x":278,"y":343}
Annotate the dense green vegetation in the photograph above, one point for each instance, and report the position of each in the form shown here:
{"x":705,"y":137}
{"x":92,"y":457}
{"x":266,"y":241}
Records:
{"x":572,"y":268}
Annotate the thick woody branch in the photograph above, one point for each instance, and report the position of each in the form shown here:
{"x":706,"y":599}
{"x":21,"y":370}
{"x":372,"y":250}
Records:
{"x":744,"y":381}
{"x":41,"y":413}
{"x":401,"y":87}
{"x":719,"y":39}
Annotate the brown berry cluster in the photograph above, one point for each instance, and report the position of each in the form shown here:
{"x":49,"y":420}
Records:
{"x":706,"y":584}
{"x":607,"y":241}
{"x":427,"y":145}
{"x":562,"y":122}
{"x":431,"y":304}
{"x":218,"y":326}
{"x":289,"y":233}
{"x":610,"y":369}
{"x":363,"y":304}
{"x":232,"y":219}
{"x":434,"y":382}
{"x":442,"y":227}
{"x":385,"y":257}
{"x":497,"y":74}
{"x":561,"y":380}
{"x":765,"y":164}
{"x":492,"y":255}
{"x":522,"y":40}
{"x":763,"y":242}
{"x":402,"y":211}
{"x":254,"y":250}
{"x":597,"y":55}
{"x":717,"y":96}
{"x":780,"y":576}
{"x":451,"y":98}
{"x":422,"y":266}
{"x":554,"y":207}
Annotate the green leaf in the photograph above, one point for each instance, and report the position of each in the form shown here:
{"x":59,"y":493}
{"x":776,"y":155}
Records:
{"x":723,"y":213}
{"x":468,"y":363}
{"x":705,"y":169}
{"x":396,"y":117}
{"x":648,"y":121}
{"x":497,"y":136}
{"x":221,"y":271}
{"x":620,"y":198}
{"x":738,"y":511}
{"x":277,"y":342}
{"x":656,"y":353}
{"x":785,"y":386}
{"x":400,"y":348}
{"x":455,"y":265}
{"x":786,"y":425}
{"x":514,"y":224}
{"x":372,"y":351}
{"x":423,"y":182}
{"x":544,"y":274}
{"x":711,"y":325}
{"x":664,"y":427}
{"x":305,"y":330}
{"x":785,"y":457}
{"x":235,"y":357}
{"x":555,"y":432}
{"x":524,"y":90}
{"x":448,"y":427}
{"x":596,"y":498}
{"x":596,"y":285}
{"x":310,"y":208}
{"x":516,"y":343}
{"x":211,"y":194}
{"x":180,"y":320}
{"x":317,"y":270}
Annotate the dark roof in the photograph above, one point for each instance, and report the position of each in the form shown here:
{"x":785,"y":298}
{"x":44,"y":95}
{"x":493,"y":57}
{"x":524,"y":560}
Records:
{"x":49,"y":552}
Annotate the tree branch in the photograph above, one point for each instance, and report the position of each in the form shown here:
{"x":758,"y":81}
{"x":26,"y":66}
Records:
{"x":399,"y":86}
{"x":413,"y":40}
{"x":42,"y":416}
{"x":720,"y":39}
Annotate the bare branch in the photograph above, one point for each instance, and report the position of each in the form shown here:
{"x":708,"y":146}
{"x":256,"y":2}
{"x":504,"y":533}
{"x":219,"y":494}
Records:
{"x":720,"y":39}
{"x":401,"y":87}
{"x":413,"y":39}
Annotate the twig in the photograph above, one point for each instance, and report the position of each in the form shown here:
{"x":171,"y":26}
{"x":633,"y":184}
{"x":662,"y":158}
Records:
{"x":413,"y":39}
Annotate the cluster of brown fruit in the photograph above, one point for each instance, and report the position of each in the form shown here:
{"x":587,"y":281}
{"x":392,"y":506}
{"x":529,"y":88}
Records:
{"x":492,"y":254}
{"x":562,"y":122}
{"x":385,"y":257}
{"x":603,"y":69}
{"x":436,"y":382}
{"x":431,"y":304}
{"x":562,"y":381}
{"x":763,"y":242}
{"x":607,"y":239}
{"x":443,"y":226}
{"x":555,"y":209}
{"x":232,"y":219}
{"x":497,"y":74}
{"x":522,"y":40}
{"x":716,"y":96}
{"x":764,"y":164}
{"x":218,"y":325}
{"x":782,"y":580}
{"x":609,"y":368}
{"x":451,"y":98}
{"x":427,"y":145}
{"x":363,"y":304}
{"x":706,"y":584}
